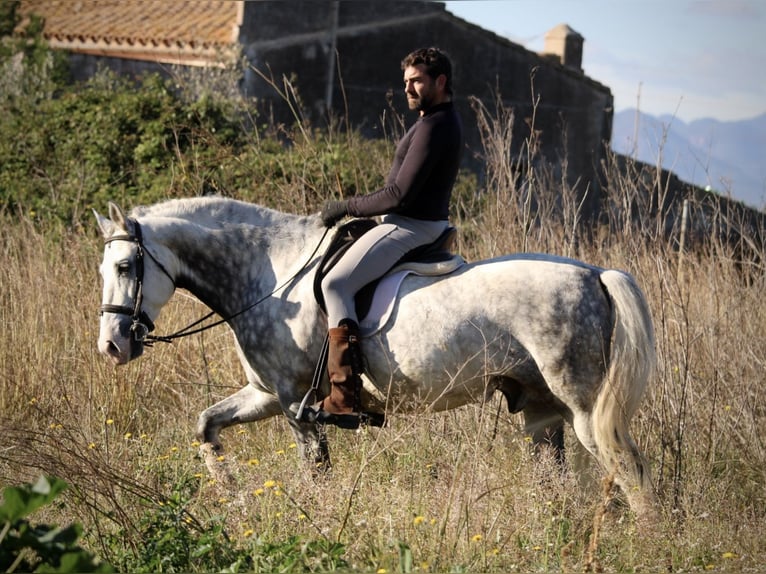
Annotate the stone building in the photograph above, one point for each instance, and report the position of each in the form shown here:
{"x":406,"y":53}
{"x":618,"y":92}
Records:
{"x":344,"y":56}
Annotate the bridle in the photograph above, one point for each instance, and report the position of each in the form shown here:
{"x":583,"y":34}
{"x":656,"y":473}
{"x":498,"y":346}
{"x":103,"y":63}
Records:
{"x":142,"y":324}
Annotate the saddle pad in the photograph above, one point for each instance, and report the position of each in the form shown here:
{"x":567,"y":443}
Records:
{"x":388,"y":287}
{"x":382,"y":303}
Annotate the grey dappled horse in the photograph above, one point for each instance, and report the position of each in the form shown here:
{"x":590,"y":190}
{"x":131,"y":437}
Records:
{"x":562,"y":340}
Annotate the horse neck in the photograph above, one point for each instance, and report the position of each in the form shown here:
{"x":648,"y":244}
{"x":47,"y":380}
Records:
{"x":229,"y":266}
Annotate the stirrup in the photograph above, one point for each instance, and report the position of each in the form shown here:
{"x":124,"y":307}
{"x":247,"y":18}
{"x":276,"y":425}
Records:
{"x":351,"y":421}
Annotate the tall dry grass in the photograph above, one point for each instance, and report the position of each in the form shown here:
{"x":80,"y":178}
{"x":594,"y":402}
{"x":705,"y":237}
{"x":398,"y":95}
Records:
{"x":457,"y":491}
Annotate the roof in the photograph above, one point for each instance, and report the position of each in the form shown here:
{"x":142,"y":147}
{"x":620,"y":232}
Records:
{"x":192,"y":32}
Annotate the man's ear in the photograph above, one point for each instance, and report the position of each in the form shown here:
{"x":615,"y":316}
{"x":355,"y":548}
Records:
{"x":441,"y":82}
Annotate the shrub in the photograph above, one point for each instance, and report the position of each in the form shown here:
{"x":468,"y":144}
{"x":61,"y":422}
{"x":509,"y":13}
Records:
{"x":40,"y":548}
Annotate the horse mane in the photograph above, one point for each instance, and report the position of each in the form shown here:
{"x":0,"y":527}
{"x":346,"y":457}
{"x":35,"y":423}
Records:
{"x":214,"y":212}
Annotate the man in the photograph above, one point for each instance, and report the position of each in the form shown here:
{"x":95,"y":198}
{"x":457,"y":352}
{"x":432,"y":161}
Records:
{"x":415,"y":206}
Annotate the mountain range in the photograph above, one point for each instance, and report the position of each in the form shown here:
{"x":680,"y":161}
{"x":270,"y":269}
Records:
{"x":728,"y":157}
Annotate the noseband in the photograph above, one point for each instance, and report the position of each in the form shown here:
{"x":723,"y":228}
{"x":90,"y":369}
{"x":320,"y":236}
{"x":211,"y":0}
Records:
{"x":142,"y":324}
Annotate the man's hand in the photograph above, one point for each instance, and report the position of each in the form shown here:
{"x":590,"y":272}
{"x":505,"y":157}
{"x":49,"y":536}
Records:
{"x":333,"y":211}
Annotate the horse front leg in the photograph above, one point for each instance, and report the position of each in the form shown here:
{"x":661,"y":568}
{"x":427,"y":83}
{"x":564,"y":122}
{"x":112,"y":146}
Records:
{"x":312,"y":445}
{"x":249,"y":404}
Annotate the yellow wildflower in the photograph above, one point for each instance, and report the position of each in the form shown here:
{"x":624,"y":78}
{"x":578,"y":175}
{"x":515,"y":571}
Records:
{"x":418,"y":520}
{"x":270,"y":484}
{"x":476,"y":538}
{"x":110,"y":421}
{"x":253,"y":462}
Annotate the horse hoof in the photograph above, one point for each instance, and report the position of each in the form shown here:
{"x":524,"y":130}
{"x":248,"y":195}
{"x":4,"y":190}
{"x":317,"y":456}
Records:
{"x":212,"y":454}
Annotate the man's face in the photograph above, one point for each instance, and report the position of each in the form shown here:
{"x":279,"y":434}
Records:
{"x":421,"y":89}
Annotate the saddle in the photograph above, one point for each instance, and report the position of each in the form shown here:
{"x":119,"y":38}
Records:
{"x":430,"y":259}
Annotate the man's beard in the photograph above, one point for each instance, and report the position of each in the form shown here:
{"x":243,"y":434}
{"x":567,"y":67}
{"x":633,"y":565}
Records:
{"x":419,"y":103}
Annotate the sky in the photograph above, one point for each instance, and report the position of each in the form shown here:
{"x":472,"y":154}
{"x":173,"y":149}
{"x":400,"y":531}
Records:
{"x":690,"y":59}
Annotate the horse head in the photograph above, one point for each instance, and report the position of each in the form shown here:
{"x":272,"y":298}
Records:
{"x":136,"y":286}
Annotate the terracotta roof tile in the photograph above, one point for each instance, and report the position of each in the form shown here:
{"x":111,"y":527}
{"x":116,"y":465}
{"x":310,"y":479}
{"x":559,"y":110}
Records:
{"x":163,"y":30}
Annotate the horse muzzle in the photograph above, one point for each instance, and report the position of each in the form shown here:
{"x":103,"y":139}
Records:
{"x":123,"y":341}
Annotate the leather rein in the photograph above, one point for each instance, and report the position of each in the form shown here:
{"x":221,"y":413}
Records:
{"x":142,"y":325}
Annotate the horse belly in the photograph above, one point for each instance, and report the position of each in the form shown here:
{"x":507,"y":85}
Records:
{"x":438,"y":362}
{"x":544,"y":327}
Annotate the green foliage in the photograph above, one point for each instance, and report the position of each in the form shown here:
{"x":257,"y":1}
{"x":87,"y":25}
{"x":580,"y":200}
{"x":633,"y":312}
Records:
{"x":171,"y":539}
{"x":295,"y":555}
{"x":40,"y":548}
{"x":103,"y":140}
{"x":28,"y":69}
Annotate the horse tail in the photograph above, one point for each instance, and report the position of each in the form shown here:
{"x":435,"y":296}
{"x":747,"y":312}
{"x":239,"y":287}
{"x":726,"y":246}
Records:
{"x":632,"y":361}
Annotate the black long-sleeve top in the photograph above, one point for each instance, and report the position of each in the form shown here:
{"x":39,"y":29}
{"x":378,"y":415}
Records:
{"x":424,"y":170}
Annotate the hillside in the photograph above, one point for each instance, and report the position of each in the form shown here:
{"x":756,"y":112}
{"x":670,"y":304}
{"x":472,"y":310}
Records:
{"x":727,"y":156}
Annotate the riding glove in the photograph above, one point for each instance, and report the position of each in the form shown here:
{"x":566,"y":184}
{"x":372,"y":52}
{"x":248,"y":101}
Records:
{"x":333,"y":211}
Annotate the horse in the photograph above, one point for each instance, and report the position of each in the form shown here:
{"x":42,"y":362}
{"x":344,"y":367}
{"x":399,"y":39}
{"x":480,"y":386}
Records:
{"x":562,"y":340}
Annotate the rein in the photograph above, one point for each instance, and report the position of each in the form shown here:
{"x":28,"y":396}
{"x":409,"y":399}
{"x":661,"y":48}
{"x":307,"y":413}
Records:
{"x":142,"y":323}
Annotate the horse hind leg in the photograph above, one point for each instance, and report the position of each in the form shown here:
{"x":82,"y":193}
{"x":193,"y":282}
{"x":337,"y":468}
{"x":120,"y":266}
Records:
{"x":619,"y":453}
{"x":609,"y":441}
{"x":542,"y":423}
{"x":546,"y":428}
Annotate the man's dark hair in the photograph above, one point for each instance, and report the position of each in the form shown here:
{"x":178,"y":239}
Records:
{"x":436,"y":61}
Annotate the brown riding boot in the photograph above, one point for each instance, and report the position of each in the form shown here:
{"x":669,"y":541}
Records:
{"x":344,"y":367}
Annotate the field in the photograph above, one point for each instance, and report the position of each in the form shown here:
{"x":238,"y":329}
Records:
{"x":439,"y":492}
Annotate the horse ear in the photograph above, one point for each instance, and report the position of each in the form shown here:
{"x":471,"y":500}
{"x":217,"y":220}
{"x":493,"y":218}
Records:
{"x":105,"y":225}
{"x":118,"y":216}
{"x":117,"y":220}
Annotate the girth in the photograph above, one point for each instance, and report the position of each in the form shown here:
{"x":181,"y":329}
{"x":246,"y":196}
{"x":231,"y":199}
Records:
{"x":348,"y":233}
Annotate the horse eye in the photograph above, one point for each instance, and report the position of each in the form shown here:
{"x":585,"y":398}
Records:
{"x":123,"y":268}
